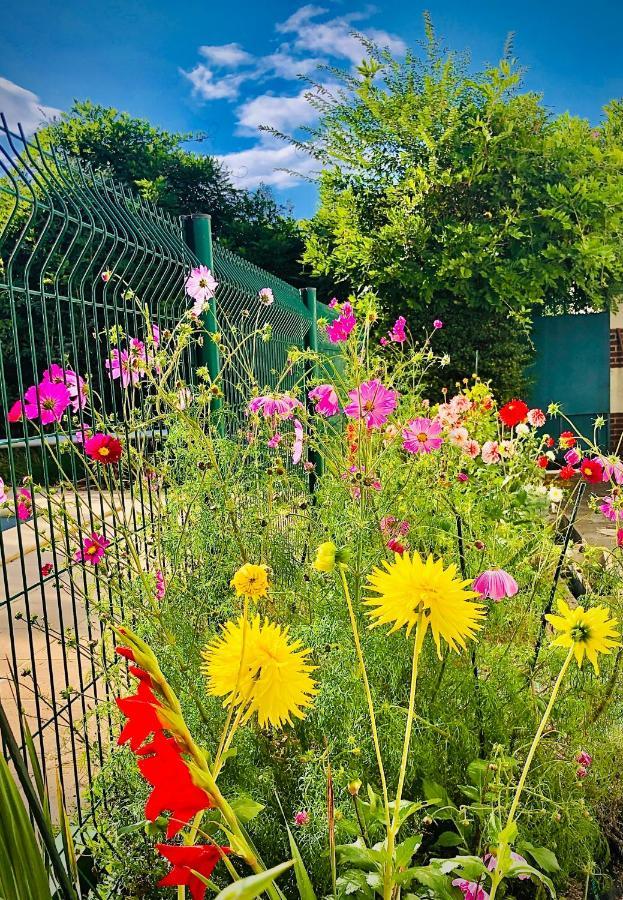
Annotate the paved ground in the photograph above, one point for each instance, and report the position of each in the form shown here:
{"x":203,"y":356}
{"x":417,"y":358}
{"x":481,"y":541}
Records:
{"x":57,"y":684}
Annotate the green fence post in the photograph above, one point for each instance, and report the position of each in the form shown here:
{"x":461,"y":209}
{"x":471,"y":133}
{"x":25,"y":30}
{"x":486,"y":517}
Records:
{"x":198,"y":236}
{"x":308,"y":296}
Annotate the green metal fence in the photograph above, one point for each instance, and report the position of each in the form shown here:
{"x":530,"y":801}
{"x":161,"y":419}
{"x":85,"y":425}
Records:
{"x":63,"y":227}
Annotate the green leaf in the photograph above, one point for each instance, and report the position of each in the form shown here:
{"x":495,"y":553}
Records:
{"x":254,"y":885}
{"x":517,"y":869}
{"x":435,"y":793}
{"x":303,"y":881}
{"x":359,"y":855}
{"x":544,"y":858}
{"x":449,"y":839}
{"x":432,"y":878}
{"x":246,"y":809}
{"x":406,"y":849}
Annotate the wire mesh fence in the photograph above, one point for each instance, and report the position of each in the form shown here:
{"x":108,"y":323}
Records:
{"x":81,"y":258}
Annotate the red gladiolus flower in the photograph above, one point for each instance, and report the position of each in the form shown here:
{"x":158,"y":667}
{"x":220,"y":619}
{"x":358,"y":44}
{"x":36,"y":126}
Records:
{"x":567,"y":472}
{"x":567,"y":440}
{"x":592,"y":470}
{"x":141,"y":711}
{"x":185,"y":860}
{"x":513,"y":412}
{"x":174,"y":791}
{"x":542,"y":462}
{"x":104,"y":448}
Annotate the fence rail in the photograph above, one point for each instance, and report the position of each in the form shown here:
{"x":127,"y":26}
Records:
{"x":63,"y":228}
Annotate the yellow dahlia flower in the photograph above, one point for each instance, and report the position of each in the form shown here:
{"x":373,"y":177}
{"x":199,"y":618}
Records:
{"x":271,"y":679}
{"x":251,"y":581}
{"x":409,"y":585}
{"x":588,"y":631}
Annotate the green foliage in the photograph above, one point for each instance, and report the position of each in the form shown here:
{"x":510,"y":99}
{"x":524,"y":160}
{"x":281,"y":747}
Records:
{"x":143,"y":156}
{"x":454,"y":195}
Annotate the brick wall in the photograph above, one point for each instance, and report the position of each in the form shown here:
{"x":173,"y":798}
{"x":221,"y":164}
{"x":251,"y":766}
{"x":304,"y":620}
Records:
{"x":616,"y":348}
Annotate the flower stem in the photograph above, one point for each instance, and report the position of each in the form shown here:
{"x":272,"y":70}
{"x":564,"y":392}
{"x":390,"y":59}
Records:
{"x":368,"y":693}
{"x":420,"y":633}
{"x":498,"y":876}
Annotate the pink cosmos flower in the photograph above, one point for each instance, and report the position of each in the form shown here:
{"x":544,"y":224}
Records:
{"x":372,"y":402}
{"x":536,"y":418}
{"x":471,"y":448}
{"x":121,"y":366}
{"x":471,"y":889}
{"x":607,"y":508}
{"x":160,"y":585}
{"x":613,"y":469}
{"x":495,"y":584}
{"x":92,"y":550}
{"x":297,"y":446}
{"x":437,"y":324}
{"x":383,"y":342}
{"x":491,"y":452}
{"x":421,"y":435}
{"x":447,"y":415}
{"x":397,"y":333}
{"x":572,"y":457}
{"x":46,"y":401}
{"x":339,"y":330}
{"x":332,"y":302}
{"x":16,"y":412}
{"x":302,"y":818}
{"x":584,"y":759}
{"x":75,"y":384}
{"x":326,"y":400}
{"x":3,"y":494}
{"x":155,"y":333}
{"x":201,"y":285}
{"x":275,"y":440}
{"x":278,"y":406}
{"x":24,"y":504}
{"x":620,"y":537}
{"x":491,"y":863}
{"x":462,"y":476}
{"x":266,"y":296}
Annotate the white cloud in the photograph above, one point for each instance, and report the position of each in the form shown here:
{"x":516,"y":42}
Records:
{"x":227,"y":55}
{"x":276,"y":111}
{"x":21,"y":105}
{"x":334,"y":37}
{"x":283,"y":64}
{"x":206,"y":86}
{"x":261,"y":165}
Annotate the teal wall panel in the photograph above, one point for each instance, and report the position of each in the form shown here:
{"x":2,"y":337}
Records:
{"x":572,"y":368}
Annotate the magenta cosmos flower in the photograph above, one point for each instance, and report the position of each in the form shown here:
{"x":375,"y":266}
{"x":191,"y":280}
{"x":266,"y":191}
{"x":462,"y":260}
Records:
{"x":372,"y":402}
{"x":422,"y":435}
{"x":437,"y":324}
{"x":24,"y":504}
{"x":471,"y":890}
{"x":326,"y":400}
{"x":397,"y":334}
{"x":46,"y":401}
{"x":201,"y":285}
{"x":3,"y":494}
{"x":339,"y":330}
{"x":92,"y":550}
{"x":274,"y":406}
{"x":75,"y":384}
{"x":496,"y":584}
{"x":608,"y":509}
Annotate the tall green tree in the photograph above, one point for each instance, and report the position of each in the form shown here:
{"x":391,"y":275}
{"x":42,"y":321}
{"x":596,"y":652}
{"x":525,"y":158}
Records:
{"x":154,"y":161}
{"x":455,"y":195}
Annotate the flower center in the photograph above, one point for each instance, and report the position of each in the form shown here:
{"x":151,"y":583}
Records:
{"x":92,"y":549}
{"x":48,"y":403}
{"x":203,"y":283}
{"x":580,"y":633}
{"x":368,"y":405}
{"x":104,"y":451}
{"x":422,"y":437}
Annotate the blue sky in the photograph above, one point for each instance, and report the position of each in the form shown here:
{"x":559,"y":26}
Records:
{"x":223,"y":68}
